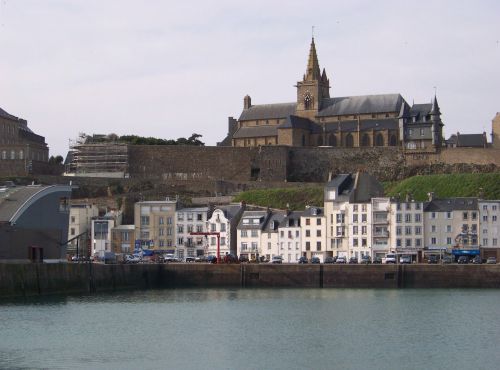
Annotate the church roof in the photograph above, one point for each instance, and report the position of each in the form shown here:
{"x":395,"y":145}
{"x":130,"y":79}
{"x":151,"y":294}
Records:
{"x":4,"y":114}
{"x":268,"y":111}
{"x":256,"y":131}
{"x":364,"y":104}
{"x":368,"y":124}
{"x":301,"y":123}
{"x":419,"y":110}
{"x":471,"y":140}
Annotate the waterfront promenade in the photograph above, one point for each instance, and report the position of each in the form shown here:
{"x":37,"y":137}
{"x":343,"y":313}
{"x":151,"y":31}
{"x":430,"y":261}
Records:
{"x":77,"y":278}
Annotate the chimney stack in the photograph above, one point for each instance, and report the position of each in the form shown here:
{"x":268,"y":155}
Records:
{"x":247,"y":102}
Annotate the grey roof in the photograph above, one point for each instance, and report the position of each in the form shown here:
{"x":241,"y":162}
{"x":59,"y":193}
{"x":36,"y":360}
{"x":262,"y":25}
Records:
{"x":300,"y":122}
{"x":342,"y":183}
{"x":262,"y":215}
{"x":471,"y":140}
{"x":230,"y":211}
{"x":275,"y":219}
{"x":379,"y":124}
{"x":293,"y":217}
{"x":313,"y":212}
{"x":451,"y":204}
{"x":418,"y":110}
{"x":363,"y":104}
{"x":365,"y":188}
{"x":13,"y":198}
{"x":4,"y":114}
{"x":256,"y":131}
{"x":268,"y":111}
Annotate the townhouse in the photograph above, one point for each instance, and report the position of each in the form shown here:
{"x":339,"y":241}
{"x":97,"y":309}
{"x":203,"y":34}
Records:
{"x":223,"y":223}
{"x":188,"y":221}
{"x":155,"y":225}
{"x":407,"y":228}
{"x":290,"y":237}
{"x":313,"y":229}
{"x":250,"y":230}
{"x":489,"y":227}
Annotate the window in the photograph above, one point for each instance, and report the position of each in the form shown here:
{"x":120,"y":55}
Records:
{"x":199,"y":217}
{"x":485,"y":242}
{"x":180,"y":216}
{"x":181,"y":241}
{"x":485,"y":218}
{"x":340,"y":218}
{"x":160,"y":220}
{"x":190,"y":217}
{"x":63,"y":204}
{"x":494,"y":242}
{"x":308,"y":246}
{"x":355,"y":230}
{"x":433,"y":240}
{"x":340,"y":231}
{"x":494,"y":208}
{"x":308,"y":233}
{"x":180,"y":229}
{"x":474,"y":216}
{"x":222,"y":227}
{"x":21,"y":154}
{"x":433,"y":228}
{"x":318,"y":233}
{"x":355,"y":208}
{"x":418,"y":217}
{"x":318,"y":246}
{"x":408,"y":217}
{"x":4,"y":154}
{"x":408,"y":243}
{"x":318,"y":221}
{"x":169,"y":231}
{"x":363,"y":208}
{"x":418,"y":230}
{"x":448,"y":228}
{"x":213,"y":227}
{"x":363,"y":242}
{"x":448,"y":240}
{"x":199,"y":228}
{"x":144,"y":220}
{"x":190,"y":228}
{"x":355,"y":242}
{"x":282,"y":234}
{"x":161,"y":231}
{"x":465,"y":216}
{"x":417,"y":206}
{"x":308,"y":221}
{"x":243,"y":233}
{"x":363,"y":217}
{"x":355,"y":217}
{"x":485,"y":207}
{"x":296,"y":233}
{"x":255,"y":233}
{"x":433,"y":215}
{"x":407,"y":230}
{"x":399,"y":230}
{"x":254,"y":246}
{"x":72,"y":219}
{"x":494,"y":218}
{"x":169,"y":220}
{"x":72,"y":231}
{"x":363,"y":230}
{"x":399,"y":218}
{"x":269,"y":246}
{"x":418,"y":242}
{"x":244,"y":246}
{"x":398,"y":242}
{"x":408,"y":206}
{"x":12,"y":154}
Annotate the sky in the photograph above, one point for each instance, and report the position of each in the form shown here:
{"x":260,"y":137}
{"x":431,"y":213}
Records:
{"x":169,"y":69}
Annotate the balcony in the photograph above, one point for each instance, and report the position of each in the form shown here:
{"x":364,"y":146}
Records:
{"x":381,"y":234}
{"x":380,"y":220}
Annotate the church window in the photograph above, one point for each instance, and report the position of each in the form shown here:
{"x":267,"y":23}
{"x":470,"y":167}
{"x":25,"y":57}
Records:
{"x":332,"y":140}
{"x":308,"y":102}
{"x":4,"y":154}
{"x":365,"y":141}
{"x":379,"y":140}
{"x":12,"y":154}
{"x":349,"y":141}
{"x":387,"y":115}
{"x":393,"y":140}
{"x":21,"y":154}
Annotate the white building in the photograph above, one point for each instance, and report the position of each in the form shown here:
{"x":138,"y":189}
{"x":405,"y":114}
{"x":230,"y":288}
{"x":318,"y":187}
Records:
{"x":250,"y":230}
{"x":224,"y":220}
{"x":407,"y":228}
{"x":489,"y":223}
{"x":189,"y":220}
{"x":313,"y":233}
{"x":290,"y":237}
{"x":101,"y":231}
{"x":80,"y":220}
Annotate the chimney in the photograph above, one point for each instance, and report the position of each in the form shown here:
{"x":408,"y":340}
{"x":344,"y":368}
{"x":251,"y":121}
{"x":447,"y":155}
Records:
{"x":430,"y":196}
{"x":247,"y":102}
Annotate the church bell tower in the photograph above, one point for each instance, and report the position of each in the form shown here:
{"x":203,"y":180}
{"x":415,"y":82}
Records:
{"x":313,"y":88}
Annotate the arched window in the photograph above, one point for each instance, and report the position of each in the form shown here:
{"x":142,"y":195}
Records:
{"x":303,"y":140}
{"x":365,"y":140}
{"x":21,"y":154}
{"x":332,"y":140}
{"x":320,"y":140}
{"x":308,"y":102}
{"x":12,"y":154}
{"x":349,"y":141}
{"x":393,"y":141}
{"x":379,"y":140}
{"x":4,"y":154}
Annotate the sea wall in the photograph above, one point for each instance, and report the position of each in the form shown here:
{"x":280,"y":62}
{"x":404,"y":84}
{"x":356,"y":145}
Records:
{"x":18,"y":280}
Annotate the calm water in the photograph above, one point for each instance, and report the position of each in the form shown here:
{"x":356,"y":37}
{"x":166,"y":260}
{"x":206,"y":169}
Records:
{"x":255,"y":329}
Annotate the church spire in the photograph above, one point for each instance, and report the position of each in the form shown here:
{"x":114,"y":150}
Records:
{"x":313,"y":72}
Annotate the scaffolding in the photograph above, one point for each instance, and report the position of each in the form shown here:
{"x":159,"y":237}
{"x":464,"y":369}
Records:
{"x":105,"y":159}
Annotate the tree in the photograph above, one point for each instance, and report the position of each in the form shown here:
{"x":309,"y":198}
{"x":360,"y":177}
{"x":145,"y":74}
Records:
{"x":56,"y":160}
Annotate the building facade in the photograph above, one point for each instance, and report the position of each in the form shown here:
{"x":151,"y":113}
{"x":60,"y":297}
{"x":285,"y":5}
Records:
{"x":155,"y":225}
{"x":80,"y":220}
{"x":313,"y":231}
{"x":224,"y":222}
{"x":489,"y":223}
{"x":190,"y":220}
{"x":123,"y":239}
{"x":101,"y":227}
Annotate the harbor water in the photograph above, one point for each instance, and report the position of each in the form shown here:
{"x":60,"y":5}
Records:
{"x":254,"y":329}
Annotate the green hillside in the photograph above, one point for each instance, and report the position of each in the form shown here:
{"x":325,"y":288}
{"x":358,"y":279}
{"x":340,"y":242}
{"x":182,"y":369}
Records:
{"x":443,"y":186}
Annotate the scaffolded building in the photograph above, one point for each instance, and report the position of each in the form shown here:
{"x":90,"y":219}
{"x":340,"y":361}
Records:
{"x":90,"y":159}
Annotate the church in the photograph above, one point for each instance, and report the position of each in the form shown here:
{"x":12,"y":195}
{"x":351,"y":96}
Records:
{"x":317,"y":120}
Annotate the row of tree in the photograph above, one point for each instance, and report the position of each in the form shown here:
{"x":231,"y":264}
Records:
{"x":194,"y":139}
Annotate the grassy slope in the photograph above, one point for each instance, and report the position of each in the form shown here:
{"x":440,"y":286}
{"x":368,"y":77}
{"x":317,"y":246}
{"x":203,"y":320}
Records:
{"x":455,"y":185}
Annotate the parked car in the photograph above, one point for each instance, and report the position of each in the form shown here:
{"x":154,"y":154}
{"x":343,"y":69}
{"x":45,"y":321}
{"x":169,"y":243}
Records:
{"x":353,"y":260}
{"x":303,"y":259}
{"x":366,"y":259}
{"x":330,"y":259}
{"x":463,"y":260}
{"x":446,"y":260}
{"x":243,"y":258}
{"x":433,"y":259}
{"x":390,"y":258}
{"x":315,"y":260}
{"x":169,"y":257}
{"x":477,"y":260}
{"x":212,"y":259}
{"x":405,"y":260}
{"x":277,"y":259}
{"x":491,"y":261}
{"x":377,"y":260}
{"x":200,"y":259}
{"x":130,"y":258}
{"x":341,"y":260}
{"x":190,"y":259}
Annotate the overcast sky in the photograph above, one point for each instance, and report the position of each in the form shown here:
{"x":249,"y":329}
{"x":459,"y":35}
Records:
{"x":172,"y":68}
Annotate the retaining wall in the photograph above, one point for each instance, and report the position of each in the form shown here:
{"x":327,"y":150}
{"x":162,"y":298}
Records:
{"x":40,"y":279}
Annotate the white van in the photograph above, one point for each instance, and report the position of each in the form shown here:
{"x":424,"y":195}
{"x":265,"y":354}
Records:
{"x":390,"y":258}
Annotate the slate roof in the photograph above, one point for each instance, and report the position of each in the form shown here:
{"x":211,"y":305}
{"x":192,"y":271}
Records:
{"x":471,"y":140}
{"x":363,"y":104}
{"x":256,"y":131}
{"x":293,"y":216}
{"x":13,"y":198}
{"x":268,"y":111}
{"x":300,"y":122}
{"x":262,"y":215}
{"x":360,"y":188}
{"x":4,"y":114}
{"x":451,"y":204}
{"x":230,"y":211}
{"x":313,"y":212}
{"x":275,"y":219}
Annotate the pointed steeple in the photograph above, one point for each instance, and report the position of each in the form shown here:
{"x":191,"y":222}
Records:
{"x":313,"y":72}
{"x":435,"y":107}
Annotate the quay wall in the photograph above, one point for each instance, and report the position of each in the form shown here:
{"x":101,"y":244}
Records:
{"x":24,"y":279}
